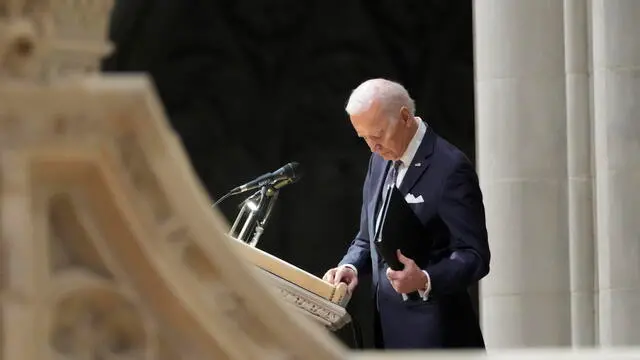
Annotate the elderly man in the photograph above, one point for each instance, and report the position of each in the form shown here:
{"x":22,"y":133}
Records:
{"x":451,"y":210}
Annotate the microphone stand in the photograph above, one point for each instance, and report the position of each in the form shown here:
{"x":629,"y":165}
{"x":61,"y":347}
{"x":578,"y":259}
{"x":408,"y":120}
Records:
{"x":254,"y":215}
{"x":256,"y":209}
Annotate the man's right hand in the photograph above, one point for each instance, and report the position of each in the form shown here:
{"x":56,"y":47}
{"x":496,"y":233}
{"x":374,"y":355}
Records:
{"x":343,"y":274}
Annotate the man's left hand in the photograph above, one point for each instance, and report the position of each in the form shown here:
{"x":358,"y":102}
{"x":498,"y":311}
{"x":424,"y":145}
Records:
{"x":409,"y":279}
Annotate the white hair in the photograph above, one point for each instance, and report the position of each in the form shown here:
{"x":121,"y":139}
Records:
{"x":391,"y":95}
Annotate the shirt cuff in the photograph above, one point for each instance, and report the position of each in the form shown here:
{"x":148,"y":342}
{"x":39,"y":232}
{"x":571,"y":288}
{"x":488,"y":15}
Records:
{"x":424,"y":294}
{"x":352,"y":268}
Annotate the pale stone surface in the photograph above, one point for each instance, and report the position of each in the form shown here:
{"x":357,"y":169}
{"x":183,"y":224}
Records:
{"x":529,"y":354}
{"x":580,"y":176}
{"x":616,"y":59}
{"x":516,"y":39}
{"x":528,"y":317}
{"x":529,"y":217}
{"x":522,"y":140}
{"x":557,"y":123}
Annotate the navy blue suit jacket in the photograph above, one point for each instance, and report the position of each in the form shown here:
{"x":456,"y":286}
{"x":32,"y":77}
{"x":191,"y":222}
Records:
{"x":453,"y":214}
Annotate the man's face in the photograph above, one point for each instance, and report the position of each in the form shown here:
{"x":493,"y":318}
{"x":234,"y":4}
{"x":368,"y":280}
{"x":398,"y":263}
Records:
{"x":381,"y":131}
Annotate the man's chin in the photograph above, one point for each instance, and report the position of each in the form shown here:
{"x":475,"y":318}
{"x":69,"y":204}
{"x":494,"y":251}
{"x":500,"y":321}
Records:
{"x":388,"y":156}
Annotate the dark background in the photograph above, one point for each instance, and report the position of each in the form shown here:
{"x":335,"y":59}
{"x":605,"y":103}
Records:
{"x":250,"y":85}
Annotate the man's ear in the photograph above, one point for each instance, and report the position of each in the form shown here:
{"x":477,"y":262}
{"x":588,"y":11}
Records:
{"x":405,"y":115}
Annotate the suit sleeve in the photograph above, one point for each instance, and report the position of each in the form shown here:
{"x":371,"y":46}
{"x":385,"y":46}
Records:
{"x":462,"y":210}
{"x":359,"y":252}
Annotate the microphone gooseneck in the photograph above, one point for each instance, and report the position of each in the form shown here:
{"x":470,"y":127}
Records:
{"x":288,"y":174}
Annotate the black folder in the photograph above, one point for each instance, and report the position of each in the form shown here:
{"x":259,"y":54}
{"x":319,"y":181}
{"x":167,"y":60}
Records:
{"x":401,"y":229}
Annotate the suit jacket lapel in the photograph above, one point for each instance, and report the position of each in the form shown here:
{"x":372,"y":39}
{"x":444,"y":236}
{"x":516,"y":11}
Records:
{"x":420,"y":163}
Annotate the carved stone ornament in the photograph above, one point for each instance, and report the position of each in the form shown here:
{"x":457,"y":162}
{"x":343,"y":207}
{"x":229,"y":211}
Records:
{"x":109,"y":247}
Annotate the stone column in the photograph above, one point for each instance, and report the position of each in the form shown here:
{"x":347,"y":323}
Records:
{"x":616,"y":72}
{"x":522,"y":160}
{"x":581,"y":239}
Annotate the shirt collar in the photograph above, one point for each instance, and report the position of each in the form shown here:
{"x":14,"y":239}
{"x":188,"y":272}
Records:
{"x":414,"y":144}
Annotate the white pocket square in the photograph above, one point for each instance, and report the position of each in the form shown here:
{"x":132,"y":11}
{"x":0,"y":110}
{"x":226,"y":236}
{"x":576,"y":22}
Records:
{"x":411,"y":199}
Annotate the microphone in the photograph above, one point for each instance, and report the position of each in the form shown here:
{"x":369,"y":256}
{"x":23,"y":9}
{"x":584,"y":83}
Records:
{"x":284,"y":176}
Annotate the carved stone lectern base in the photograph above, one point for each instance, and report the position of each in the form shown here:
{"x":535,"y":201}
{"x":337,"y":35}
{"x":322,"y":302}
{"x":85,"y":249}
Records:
{"x":314,"y":297}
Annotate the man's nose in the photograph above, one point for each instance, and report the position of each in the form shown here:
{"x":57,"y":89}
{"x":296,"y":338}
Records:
{"x":375,"y":147}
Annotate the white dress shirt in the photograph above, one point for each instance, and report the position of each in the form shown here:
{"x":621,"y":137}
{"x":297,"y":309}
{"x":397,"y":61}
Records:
{"x":406,"y":160}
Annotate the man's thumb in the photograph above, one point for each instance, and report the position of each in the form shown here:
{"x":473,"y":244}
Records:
{"x":403,"y":259}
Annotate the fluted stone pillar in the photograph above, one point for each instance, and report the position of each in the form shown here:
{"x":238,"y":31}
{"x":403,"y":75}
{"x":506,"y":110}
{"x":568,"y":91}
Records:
{"x":580,"y":184}
{"x":616,"y":71}
{"x":522,"y":163}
